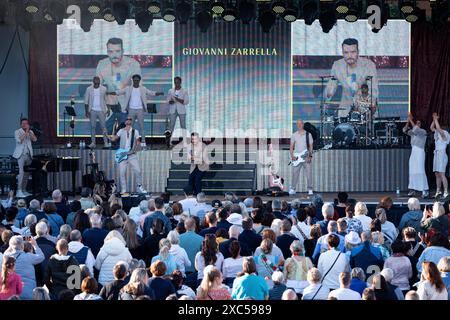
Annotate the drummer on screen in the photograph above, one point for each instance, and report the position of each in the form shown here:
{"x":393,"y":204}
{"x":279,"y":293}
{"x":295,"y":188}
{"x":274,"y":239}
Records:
{"x":351,"y":72}
{"x":364,"y":102}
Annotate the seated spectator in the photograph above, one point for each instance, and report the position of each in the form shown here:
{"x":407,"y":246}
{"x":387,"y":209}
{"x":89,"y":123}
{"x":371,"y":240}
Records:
{"x":165,"y":256}
{"x":232,"y":265}
{"x":412,"y":217}
{"x":368,"y":294}
{"x":136,"y":213}
{"x":444,"y":269}
{"x":48,"y":248}
{"x":279,"y":286}
{"x":379,"y":241}
{"x":40,"y":294}
{"x":211,"y":223}
{"x":162,"y":288}
{"x":94,"y":236}
{"x":22,"y":211}
{"x":80,"y":252}
{"x":113,"y":250}
{"x":286,"y":238}
{"x":322,"y":242}
{"x":416,"y":247}
{"x":341,"y":227}
{"x":400,"y":265}
{"x":412,"y":295}
{"x":25,"y":262}
{"x":358,"y":282}
{"x":137,"y":286}
{"x":191,"y":242}
{"x":361,"y":215}
{"x":352,"y":240}
{"x":366,"y":255}
{"x":436,"y":220}
{"x":134,"y":242}
{"x":81,"y":221}
{"x":10,"y":222}
{"x":180,"y":255}
{"x":190,"y":201}
{"x":276,"y":251}
{"x":353,"y":224}
{"x":328,"y":214}
{"x":289,"y":294}
{"x":86,"y":200}
{"x":388,"y":275}
{"x":344,"y":292}
{"x":387,"y":227}
{"x":276,"y":210}
{"x":209,"y":255}
{"x":431,"y":286}
{"x":89,"y":290}
{"x":332,"y":263}
{"x":181,"y":289}
{"x":436,"y":249}
{"x":297,"y":266}
{"x":276,"y":226}
{"x":249,"y":285}
{"x":10,"y":282}
{"x":62,"y":209}
{"x":145,"y":212}
{"x":75,"y":206}
{"x":198,"y":208}
{"x":35,"y":208}
{"x":381,"y":288}
{"x":222,"y":222}
{"x":341,"y":205}
{"x":158,"y":214}
{"x":248,"y":236}
{"x":6,"y":236}
{"x":57,"y":273}
{"x":111,"y":290}
{"x":64,"y":232}
{"x":266,"y":262}
{"x":301,"y":230}
{"x":150,"y":246}
{"x":211,"y":287}
{"x":30,"y":220}
{"x":316,"y":290}
{"x":310,"y":244}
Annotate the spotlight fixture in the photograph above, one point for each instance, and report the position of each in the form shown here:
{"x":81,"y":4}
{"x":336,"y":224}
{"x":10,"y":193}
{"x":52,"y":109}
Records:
{"x":406,"y":6}
{"x":310,"y":11}
{"x":55,"y":12}
{"x":247,"y":11}
{"x":218,"y":7}
{"x":31,"y":7}
{"x":94,"y":7}
{"x":342,"y":6}
{"x":144,"y":20}
{"x":291,"y":12}
{"x":413,"y":16}
{"x":120,"y":10}
{"x":352,"y":14}
{"x":229,"y":14}
{"x":183,"y":11}
{"x":279,"y":7}
{"x":204,"y":20}
{"x":327,"y":17}
{"x":154,"y":7}
{"x":267,"y":19}
{"x":168,"y":13}
{"x":108,"y":14}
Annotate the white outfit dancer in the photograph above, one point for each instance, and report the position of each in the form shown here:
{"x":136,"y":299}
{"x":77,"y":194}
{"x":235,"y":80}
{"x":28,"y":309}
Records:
{"x":417,"y":177}
{"x":440,"y":160}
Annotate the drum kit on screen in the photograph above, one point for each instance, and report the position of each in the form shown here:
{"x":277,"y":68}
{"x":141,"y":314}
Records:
{"x":358,"y":129}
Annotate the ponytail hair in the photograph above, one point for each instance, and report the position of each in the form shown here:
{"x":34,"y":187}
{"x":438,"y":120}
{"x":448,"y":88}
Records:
{"x":210,"y":274}
{"x":8,"y":264}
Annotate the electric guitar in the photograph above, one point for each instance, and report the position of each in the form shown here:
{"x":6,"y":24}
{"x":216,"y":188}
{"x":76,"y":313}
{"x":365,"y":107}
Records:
{"x":301,"y":157}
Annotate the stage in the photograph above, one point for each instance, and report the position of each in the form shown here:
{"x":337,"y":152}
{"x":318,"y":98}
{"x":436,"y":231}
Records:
{"x":350,"y":170}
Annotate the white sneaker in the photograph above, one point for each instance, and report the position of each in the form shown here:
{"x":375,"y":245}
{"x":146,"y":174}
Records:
{"x":446,"y":195}
{"x":291,"y":191}
{"x":107,"y":145}
{"x":310,"y":192}
{"x":140,"y":189}
{"x":20,"y":194}
{"x":438,"y":194}
{"x":411,"y":193}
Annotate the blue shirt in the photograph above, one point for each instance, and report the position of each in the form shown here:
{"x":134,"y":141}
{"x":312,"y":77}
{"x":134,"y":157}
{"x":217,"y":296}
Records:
{"x":433,"y":254}
{"x":148,"y":223}
{"x":322,"y":245}
{"x":192,"y":243}
{"x":250,"y":285}
{"x":170,"y":263}
{"x":358,"y":285}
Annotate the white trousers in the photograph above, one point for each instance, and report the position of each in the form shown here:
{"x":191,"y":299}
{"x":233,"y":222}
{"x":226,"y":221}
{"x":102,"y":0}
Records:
{"x":132,"y":163}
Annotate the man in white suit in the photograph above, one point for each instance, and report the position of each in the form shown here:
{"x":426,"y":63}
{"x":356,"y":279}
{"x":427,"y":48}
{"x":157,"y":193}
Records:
{"x":136,"y":102}
{"x":24,"y":154}
{"x":95,"y":105}
{"x":178,"y":99}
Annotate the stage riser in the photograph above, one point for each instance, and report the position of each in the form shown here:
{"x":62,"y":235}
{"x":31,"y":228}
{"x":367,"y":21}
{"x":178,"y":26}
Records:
{"x":333,"y":170}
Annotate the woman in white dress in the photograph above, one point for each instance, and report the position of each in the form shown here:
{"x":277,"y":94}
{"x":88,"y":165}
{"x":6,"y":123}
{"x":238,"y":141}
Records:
{"x":440,"y":161}
{"x":417,"y":176}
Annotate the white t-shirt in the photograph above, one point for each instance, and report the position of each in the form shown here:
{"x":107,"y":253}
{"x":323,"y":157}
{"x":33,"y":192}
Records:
{"x":345,"y":294}
{"x":300,"y":141}
{"x":135,"y":100}
{"x":441,"y":144}
{"x":96,"y":103}
{"x":125,"y":137}
{"x":231,"y":267}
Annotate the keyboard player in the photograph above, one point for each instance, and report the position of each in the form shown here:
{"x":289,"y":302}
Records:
{"x":24,"y":154}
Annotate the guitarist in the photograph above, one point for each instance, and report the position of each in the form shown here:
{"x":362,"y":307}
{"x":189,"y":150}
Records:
{"x":130,"y":139}
{"x":301,"y":140}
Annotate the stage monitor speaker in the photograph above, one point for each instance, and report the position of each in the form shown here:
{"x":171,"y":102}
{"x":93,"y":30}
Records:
{"x":131,"y":201}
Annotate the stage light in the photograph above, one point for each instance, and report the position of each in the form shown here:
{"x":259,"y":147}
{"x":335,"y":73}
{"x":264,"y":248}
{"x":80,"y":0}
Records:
{"x":267,"y":20}
{"x":218,"y":7}
{"x":204,"y":20}
{"x":310,"y":11}
{"x":413,"y":16}
{"x":108,"y":15}
{"x":327,"y":17}
{"x":406,"y":6}
{"x":247,"y":11}
{"x":144,"y":20}
{"x":31,"y":7}
{"x":154,"y":7}
{"x":183,"y":11}
{"x":229,"y":14}
{"x":342,"y":6}
{"x":168,"y":13}
{"x":279,"y":7}
{"x":94,"y":7}
{"x":120,"y":10}
{"x":352,"y":14}
{"x":55,"y":12}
